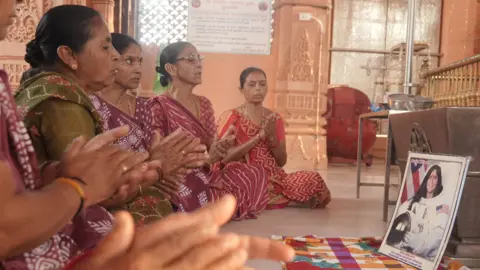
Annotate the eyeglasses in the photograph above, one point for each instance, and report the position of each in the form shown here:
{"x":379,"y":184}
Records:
{"x":192,"y":58}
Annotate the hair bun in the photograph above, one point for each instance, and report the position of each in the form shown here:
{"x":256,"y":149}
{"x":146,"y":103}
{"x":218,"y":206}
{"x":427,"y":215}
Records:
{"x":164,"y":80}
{"x":34,"y":55}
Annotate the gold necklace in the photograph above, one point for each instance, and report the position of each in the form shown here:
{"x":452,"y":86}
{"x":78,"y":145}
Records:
{"x":245,"y":112}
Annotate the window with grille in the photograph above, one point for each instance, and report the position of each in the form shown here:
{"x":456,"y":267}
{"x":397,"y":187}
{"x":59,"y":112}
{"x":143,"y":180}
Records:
{"x":161,"y":22}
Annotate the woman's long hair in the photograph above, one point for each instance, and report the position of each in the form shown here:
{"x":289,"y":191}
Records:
{"x":422,"y":191}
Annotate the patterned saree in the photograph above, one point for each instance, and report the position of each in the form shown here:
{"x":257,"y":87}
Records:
{"x":298,"y":187}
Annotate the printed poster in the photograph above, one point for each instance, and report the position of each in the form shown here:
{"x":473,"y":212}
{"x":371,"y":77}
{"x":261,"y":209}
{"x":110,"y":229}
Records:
{"x":426,"y":209}
{"x":230,"y":26}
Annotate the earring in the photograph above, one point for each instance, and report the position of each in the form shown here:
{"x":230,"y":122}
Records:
{"x":74,"y":66}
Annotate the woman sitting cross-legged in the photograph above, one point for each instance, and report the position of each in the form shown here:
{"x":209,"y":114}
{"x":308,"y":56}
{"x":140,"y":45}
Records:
{"x":260,"y":139}
{"x":181,"y":68}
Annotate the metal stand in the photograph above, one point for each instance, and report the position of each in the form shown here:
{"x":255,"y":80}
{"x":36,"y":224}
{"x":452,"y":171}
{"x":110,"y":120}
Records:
{"x":372,"y":115}
{"x":388,"y":158}
{"x":388,"y":162}
{"x":410,"y":46}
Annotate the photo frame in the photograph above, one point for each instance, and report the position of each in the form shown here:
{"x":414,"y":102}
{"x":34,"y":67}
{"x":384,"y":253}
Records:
{"x":426,"y":209}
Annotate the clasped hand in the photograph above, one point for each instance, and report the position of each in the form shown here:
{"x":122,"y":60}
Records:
{"x":268,"y":131}
{"x":173,"y":158}
{"x":122,"y":172}
{"x":220,"y":146}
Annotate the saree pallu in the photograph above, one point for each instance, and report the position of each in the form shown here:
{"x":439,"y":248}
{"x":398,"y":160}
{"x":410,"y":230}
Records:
{"x":299,"y":187}
{"x":81,"y":233}
{"x":151,"y":205}
{"x":248,"y":183}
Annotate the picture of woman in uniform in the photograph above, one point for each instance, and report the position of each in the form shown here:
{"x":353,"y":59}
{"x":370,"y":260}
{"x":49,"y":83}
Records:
{"x":421,"y":222}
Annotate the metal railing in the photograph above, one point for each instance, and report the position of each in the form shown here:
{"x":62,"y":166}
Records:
{"x":454,"y":85}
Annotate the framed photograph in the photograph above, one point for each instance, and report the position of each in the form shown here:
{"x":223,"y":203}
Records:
{"x":426,"y":209}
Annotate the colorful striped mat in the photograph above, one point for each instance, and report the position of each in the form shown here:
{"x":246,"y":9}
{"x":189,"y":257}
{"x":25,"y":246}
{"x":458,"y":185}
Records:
{"x":345,"y":253}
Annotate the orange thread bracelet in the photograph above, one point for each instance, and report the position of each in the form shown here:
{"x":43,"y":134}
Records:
{"x":78,"y":188}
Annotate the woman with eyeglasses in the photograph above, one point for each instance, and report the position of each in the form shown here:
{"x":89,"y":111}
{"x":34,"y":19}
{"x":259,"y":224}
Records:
{"x":181,"y":68}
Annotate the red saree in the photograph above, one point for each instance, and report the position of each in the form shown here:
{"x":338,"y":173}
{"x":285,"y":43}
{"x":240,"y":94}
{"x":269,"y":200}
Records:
{"x":248,"y":183}
{"x":300,"y":187}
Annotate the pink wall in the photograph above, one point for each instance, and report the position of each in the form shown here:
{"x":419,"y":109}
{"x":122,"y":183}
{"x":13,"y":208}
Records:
{"x":221,"y":77}
{"x":460,"y":30}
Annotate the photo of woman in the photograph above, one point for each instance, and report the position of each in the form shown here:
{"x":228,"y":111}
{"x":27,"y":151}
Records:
{"x":426,"y":208}
{"x":427,"y":217}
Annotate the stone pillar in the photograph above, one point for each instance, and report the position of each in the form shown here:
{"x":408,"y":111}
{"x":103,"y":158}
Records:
{"x":12,"y":50}
{"x":477,"y":30}
{"x":460,"y":23}
{"x":107,"y":9}
{"x":302,"y":67}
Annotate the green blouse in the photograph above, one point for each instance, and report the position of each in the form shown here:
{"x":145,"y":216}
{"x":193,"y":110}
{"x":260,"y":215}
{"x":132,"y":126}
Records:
{"x":56,"y":111}
{"x":58,"y":123}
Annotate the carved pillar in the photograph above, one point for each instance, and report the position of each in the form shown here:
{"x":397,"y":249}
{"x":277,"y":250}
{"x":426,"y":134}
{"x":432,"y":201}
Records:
{"x":107,"y":9}
{"x":301,"y":83}
{"x":12,"y":50}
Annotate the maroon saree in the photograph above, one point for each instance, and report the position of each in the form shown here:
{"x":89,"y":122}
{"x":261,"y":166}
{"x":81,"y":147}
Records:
{"x":151,"y":205}
{"x":140,"y":133}
{"x":248,"y":183}
{"x":17,"y":151}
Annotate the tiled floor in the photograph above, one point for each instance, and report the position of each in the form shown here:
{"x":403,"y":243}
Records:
{"x":345,"y":216}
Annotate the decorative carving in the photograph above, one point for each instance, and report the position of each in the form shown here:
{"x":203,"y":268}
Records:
{"x":47,"y":5}
{"x":23,"y":30}
{"x":15,"y":72}
{"x":301,"y":106}
{"x":418,"y":140}
{"x":298,"y":149}
{"x":285,"y":69}
{"x":302,"y":68}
